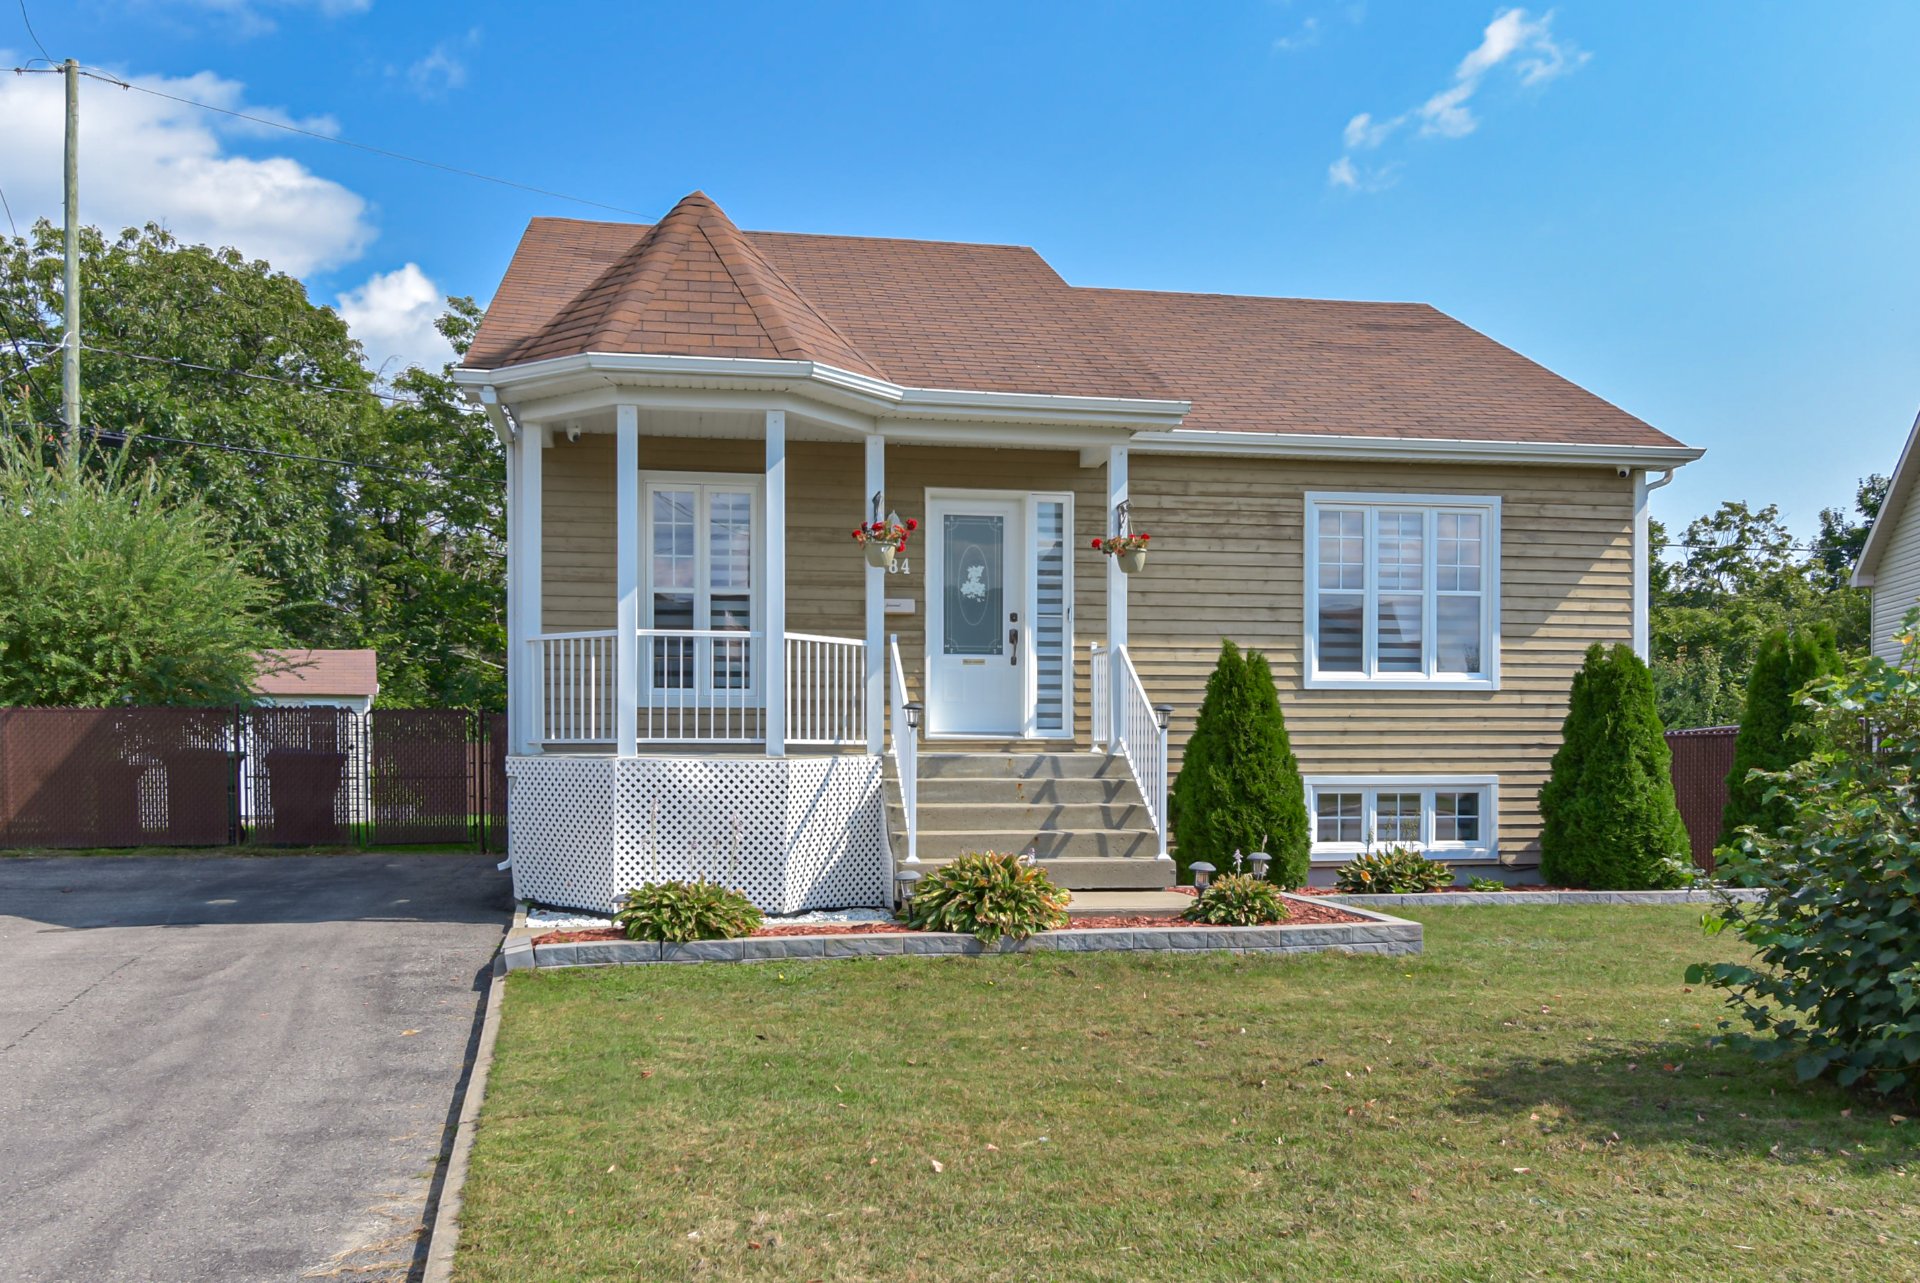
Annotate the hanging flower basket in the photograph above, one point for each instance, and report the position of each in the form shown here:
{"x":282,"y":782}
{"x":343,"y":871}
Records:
{"x":880,"y":540}
{"x":1129,"y":550}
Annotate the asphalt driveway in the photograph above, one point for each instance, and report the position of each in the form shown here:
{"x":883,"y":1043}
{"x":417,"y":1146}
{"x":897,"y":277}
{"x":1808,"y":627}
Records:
{"x":232,"y":1069}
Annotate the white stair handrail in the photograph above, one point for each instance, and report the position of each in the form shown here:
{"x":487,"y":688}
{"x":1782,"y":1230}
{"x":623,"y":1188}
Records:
{"x":906,"y":748}
{"x":1143,"y":740}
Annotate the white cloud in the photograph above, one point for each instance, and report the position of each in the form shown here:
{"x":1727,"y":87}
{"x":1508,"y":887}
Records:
{"x":392,"y":315}
{"x":1514,"y":38}
{"x":254,"y":17}
{"x":443,"y":69}
{"x":145,"y":159}
{"x":1359,"y":178}
{"x":1305,"y":38}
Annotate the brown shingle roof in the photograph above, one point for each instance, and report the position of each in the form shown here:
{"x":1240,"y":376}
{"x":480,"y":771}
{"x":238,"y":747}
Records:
{"x":997,"y":318}
{"x":1356,"y":369}
{"x":317,"y":672}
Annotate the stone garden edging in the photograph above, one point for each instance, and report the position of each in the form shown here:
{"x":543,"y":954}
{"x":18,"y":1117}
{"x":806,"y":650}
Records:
{"x":1381,"y":933}
{"x":1413,"y":901}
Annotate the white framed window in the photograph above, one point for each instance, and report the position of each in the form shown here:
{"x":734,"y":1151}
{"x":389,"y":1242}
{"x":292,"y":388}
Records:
{"x":1450,"y":817}
{"x":700,"y":561}
{"x":1402,"y":591}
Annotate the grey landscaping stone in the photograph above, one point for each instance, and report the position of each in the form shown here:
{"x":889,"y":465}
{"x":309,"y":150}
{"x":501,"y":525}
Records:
{"x":868,"y":946}
{"x":518,"y":957}
{"x":938,"y":942}
{"x":780,"y":948}
{"x":704,"y":951}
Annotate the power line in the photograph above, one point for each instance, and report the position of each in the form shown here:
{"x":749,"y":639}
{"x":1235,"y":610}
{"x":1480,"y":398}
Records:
{"x":365,"y":147}
{"x":119,"y":436}
{"x":31,"y":32}
{"x":330,"y":388}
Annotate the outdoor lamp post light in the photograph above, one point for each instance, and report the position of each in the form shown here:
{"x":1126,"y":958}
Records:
{"x":1259,"y":860}
{"x":1202,"y":874}
{"x":905,"y":880}
{"x":1163,"y":714}
{"x":913,"y":709}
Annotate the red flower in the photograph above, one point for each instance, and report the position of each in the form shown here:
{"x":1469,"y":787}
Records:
{"x":912,"y":524}
{"x":1096,"y":543}
{"x":1144,"y":538}
{"x":901,"y":546}
{"x":856,"y":534}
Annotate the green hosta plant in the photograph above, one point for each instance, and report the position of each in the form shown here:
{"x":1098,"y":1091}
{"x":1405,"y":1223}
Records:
{"x":1393,"y":870}
{"x":1835,"y":983}
{"x":1485,"y":884}
{"x":676,"y":912}
{"x":991,"y":895}
{"x":1237,"y":900}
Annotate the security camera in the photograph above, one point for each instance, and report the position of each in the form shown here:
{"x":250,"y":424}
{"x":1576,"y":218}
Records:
{"x":1622,"y":473}
{"x":573,"y":435}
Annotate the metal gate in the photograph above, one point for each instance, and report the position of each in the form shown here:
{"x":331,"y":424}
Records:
{"x":305,"y":771}
{"x":418,"y":765}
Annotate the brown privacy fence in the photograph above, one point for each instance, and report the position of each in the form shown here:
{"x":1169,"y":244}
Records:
{"x":120,"y":777}
{"x":1702,"y":760}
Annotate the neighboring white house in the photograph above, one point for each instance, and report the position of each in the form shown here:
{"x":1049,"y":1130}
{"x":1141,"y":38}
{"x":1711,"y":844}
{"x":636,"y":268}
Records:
{"x":1890,"y":562}
{"x":348,"y":679}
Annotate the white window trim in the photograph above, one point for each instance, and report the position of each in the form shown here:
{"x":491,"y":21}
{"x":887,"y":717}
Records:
{"x":753,"y":482}
{"x":1373,"y":500}
{"x":1486,"y":849}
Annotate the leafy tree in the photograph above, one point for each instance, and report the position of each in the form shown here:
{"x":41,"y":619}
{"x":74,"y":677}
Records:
{"x":1695,"y":689}
{"x":1609,"y":817}
{"x":117,"y":587}
{"x":1832,"y":988}
{"x":398,"y":547}
{"x":1773,"y":724}
{"x":1836,"y":549}
{"x":1239,"y":787}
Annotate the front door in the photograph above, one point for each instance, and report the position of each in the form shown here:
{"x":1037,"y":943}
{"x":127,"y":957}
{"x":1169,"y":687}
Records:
{"x":977,"y":641}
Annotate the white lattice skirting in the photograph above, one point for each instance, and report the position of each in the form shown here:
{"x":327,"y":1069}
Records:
{"x":792,"y":833}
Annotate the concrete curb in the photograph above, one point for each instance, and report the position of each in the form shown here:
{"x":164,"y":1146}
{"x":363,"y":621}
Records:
{"x":1381,"y":933}
{"x":1356,"y":902}
{"x":445,"y":1236}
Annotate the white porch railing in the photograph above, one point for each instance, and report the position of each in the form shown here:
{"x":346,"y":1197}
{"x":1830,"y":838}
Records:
{"x":699,"y":686}
{"x":906,"y":748}
{"x":826,"y":689}
{"x":576,"y":686}
{"x":1143,"y":740}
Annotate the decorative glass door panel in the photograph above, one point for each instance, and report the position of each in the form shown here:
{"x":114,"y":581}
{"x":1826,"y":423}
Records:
{"x":979,"y":641}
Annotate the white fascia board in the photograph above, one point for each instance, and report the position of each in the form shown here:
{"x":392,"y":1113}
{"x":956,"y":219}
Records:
{"x":1898,"y":490}
{"x":876,"y":396}
{"x":1306,"y":445}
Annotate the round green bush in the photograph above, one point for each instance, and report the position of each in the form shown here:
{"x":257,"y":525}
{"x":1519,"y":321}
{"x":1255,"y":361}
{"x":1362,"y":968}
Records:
{"x":1237,"y":900}
{"x":989,"y":894}
{"x":676,"y":912}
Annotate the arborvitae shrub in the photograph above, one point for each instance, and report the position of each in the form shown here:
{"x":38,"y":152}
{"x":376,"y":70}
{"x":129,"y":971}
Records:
{"x":1772,"y":726}
{"x":1609,"y":820}
{"x":1239,"y":786}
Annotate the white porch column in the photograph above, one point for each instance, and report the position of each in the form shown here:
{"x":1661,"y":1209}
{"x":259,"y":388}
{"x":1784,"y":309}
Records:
{"x":626,"y":573}
{"x":1116,"y":592}
{"x":528,"y":580}
{"x":516,"y":626}
{"x":775,"y":626}
{"x":876,"y":605}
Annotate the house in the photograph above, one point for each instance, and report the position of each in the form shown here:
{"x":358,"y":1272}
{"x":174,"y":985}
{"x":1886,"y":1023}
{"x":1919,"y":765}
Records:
{"x":1421,"y":528}
{"x":1890,"y":560}
{"x":348,"y":679}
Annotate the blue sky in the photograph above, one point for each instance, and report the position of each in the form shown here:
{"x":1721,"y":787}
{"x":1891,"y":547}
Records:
{"x":1703,"y":212}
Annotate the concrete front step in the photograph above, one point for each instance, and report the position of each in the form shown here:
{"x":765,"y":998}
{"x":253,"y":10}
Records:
{"x":1091,"y":873}
{"x":1057,"y":843}
{"x":1159,"y":903}
{"x":1115,"y":788}
{"x":1021,"y":766}
{"x":1041,"y":818}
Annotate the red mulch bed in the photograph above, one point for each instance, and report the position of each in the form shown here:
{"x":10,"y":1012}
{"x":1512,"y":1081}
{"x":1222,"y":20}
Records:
{"x":1297,"y":915}
{"x":1518,"y":886}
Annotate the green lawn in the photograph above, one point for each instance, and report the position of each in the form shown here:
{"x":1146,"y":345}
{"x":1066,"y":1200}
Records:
{"x":1531,"y":1099}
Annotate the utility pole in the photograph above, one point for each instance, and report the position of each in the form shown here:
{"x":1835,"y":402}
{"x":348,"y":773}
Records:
{"x":70,"y":334}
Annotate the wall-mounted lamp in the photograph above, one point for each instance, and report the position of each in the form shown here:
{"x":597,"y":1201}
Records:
{"x":1163,"y":714}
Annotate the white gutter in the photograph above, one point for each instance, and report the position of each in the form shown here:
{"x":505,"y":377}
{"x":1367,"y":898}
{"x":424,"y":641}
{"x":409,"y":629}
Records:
{"x":503,"y":426}
{"x":879,"y":395}
{"x":1642,"y":546}
{"x":1315,"y":445}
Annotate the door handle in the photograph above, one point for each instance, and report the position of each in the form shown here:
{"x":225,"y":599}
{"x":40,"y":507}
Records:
{"x":1013,"y":644}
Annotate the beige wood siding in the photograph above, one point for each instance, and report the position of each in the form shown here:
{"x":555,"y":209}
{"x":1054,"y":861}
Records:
{"x":1896,"y":586}
{"x":1226,"y":562}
